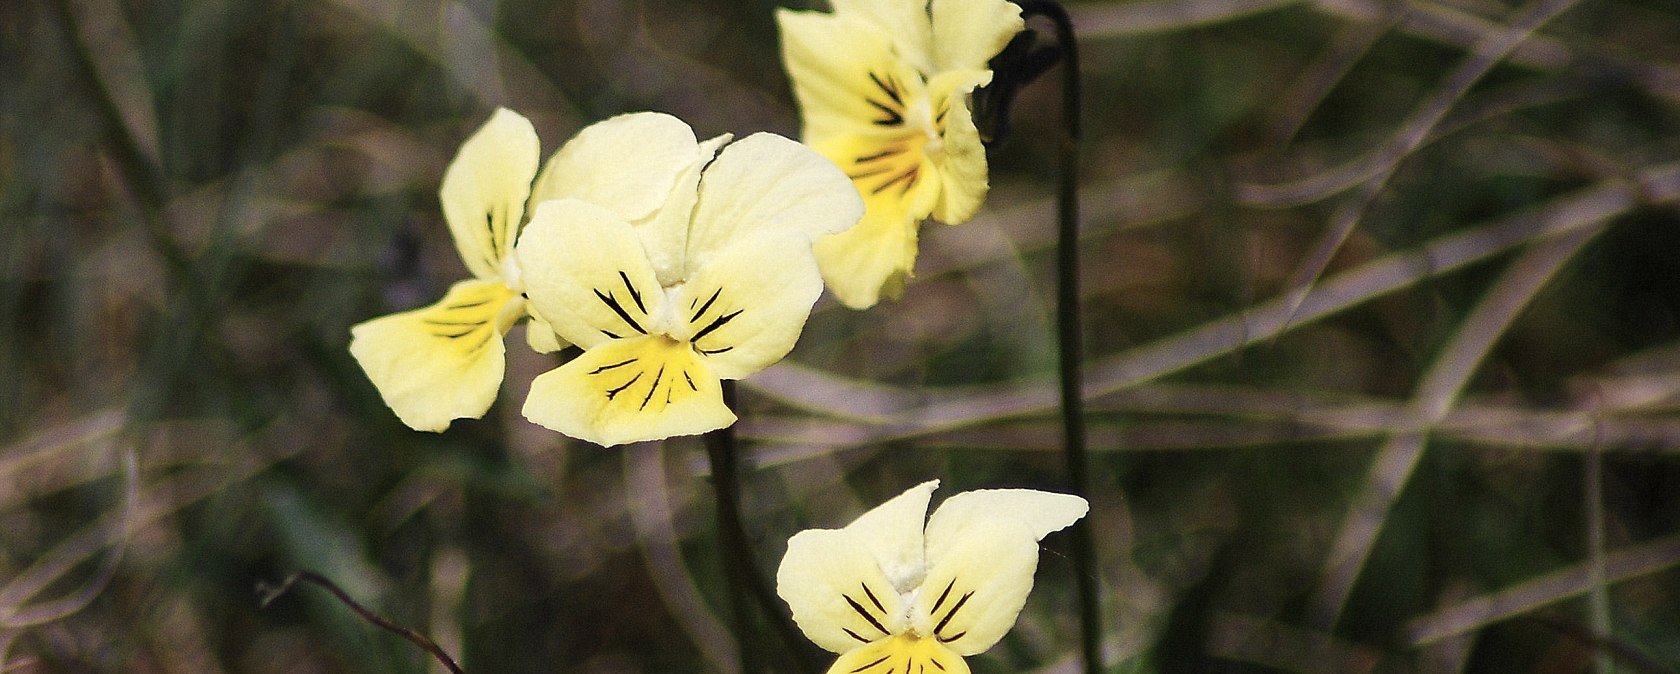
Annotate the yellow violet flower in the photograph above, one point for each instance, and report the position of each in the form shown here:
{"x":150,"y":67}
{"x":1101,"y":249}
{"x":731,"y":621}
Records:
{"x":890,"y":595}
{"x":715,"y":284}
{"x":884,"y":86}
{"x":446,"y":361}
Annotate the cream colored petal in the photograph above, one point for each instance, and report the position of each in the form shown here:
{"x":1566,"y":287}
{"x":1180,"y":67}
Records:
{"x":968,"y":33}
{"x":836,"y":590}
{"x":629,"y":390}
{"x":484,"y":190}
{"x":665,"y":233}
{"x":747,"y":306}
{"x":905,"y":21}
{"x":962,"y":166}
{"x":766,"y":183}
{"x":439,"y":363}
{"x":869,"y":261}
{"x":904,"y":654}
{"x":965,"y":514}
{"x":975,"y":589}
{"x":845,"y":76}
{"x":627,"y":164}
{"x":586,"y":273}
{"x":892,"y":532}
{"x":539,"y":334}
{"x":983,"y":548}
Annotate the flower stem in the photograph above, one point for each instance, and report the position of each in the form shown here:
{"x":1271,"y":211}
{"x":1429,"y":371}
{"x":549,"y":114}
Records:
{"x":269,"y":593}
{"x":741,"y":567}
{"x":1070,"y":343}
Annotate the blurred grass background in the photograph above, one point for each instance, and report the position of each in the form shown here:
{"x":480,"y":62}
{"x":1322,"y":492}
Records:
{"x":1454,"y":451}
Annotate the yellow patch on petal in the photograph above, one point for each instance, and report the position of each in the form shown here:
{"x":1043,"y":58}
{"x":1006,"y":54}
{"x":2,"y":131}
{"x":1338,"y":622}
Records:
{"x":902,"y":654}
{"x":442,"y":362}
{"x":646,"y":387}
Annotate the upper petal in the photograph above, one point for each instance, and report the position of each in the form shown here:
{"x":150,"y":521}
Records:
{"x":905,"y":22}
{"x":968,"y":33}
{"x":485,"y":188}
{"x":586,"y":273}
{"x":1039,"y":512}
{"x":627,"y":164}
{"x":629,"y":390}
{"x":747,"y":306}
{"x":767,"y":183}
{"x":845,"y":75}
{"x":892,"y":532}
{"x":838,"y":594}
{"x":438,"y":363}
{"x":665,"y":234}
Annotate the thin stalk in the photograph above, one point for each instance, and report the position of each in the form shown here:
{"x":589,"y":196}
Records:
{"x":1070,"y":341}
{"x":747,"y":586}
{"x":270,"y":593}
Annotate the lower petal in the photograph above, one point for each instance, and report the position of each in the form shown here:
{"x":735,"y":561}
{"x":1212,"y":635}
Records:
{"x":439,"y":363}
{"x":630,"y":390}
{"x":903,"y":653}
{"x":873,"y":259}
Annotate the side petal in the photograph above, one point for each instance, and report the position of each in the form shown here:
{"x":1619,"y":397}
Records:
{"x":869,"y":261}
{"x":836,"y":590}
{"x":767,"y":183}
{"x":962,"y":166}
{"x":627,"y":164}
{"x":845,"y":75}
{"x":485,"y":188}
{"x":747,"y":306}
{"x":629,"y":390}
{"x":975,"y":589}
{"x":539,"y":334}
{"x":904,"y":653}
{"x":983,"y":548}
{"x":892,"y":532}
{"x":586,"y":273}
{"x":968,"y":33}
{"x":438,"y":363}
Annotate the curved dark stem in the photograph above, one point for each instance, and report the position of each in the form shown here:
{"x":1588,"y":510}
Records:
{"x":739,"y":563}
{"x":1070,"y":342}
{"x":268,"y":593}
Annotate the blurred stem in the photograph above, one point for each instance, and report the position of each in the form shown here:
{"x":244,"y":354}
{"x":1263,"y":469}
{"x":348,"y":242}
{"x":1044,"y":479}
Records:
{"x":746,"y":585}
{"x":271,"y":592}
{"x":1070,"y":342}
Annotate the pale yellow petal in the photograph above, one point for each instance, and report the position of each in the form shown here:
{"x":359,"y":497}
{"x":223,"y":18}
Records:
{"x":746,"y":307}
{"x":439,"y":363}
{"x":983,"y":548}
{"x":906,"y":22}
{"x":968,"y":33}
{"x":629,"y":390}
{"x":627,"y":164}
{"x":1040,"y":512}
{"x":539,"y":334}
{"x":845,"y":76}
{"x":869,"y":261}
{"x":585,"y":272}
{"x":976,"y":587}
{"x":665,"y":233}
{"x":962,"y":163}
{"x":903,"y":654}
{"x":892,"y":532}
{"x":836,"y":590}
{"x":766,"y":183}
{"x":485,"y":188}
